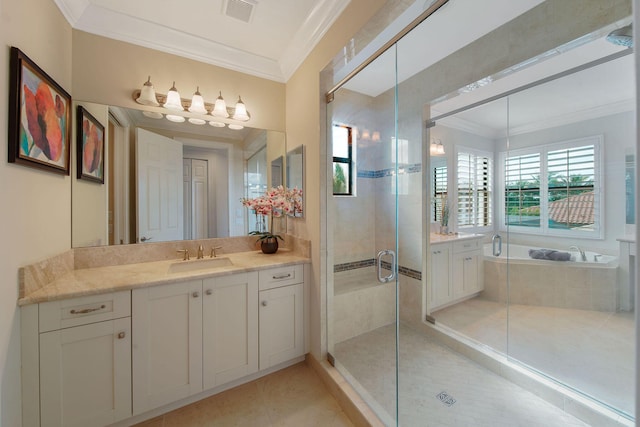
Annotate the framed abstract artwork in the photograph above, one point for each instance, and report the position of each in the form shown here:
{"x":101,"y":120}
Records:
{"x":39,"y":117}
{"x":90,"y":146}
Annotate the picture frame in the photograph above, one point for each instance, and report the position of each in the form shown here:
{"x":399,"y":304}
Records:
{"x":90,"y":147}
{"x":39,"y":117}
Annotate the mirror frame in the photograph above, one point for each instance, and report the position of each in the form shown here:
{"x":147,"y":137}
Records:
{"x":298,"y":169}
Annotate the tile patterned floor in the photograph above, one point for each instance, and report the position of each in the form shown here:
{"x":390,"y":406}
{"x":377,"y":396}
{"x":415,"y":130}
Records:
{"x":426,"y":369}
{"x":292,"y":397}
{"x":591,"y":351}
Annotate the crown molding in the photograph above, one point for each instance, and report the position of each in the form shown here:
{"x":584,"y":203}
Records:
{"x":97,"y":20}
{"x":85,"y":16}
{"x":72,"y":10}
{"x":542,"y":124}
{"x":309,"y":34}
{"x":576,"y":117}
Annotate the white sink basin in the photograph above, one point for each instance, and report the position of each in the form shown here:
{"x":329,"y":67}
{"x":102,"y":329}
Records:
{"x":199,"y":264}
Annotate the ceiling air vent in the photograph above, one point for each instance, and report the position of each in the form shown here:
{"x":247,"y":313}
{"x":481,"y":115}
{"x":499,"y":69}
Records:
{"x":239,"y":9}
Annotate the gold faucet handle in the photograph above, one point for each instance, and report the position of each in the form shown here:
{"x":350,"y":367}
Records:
{"x":213,"y":251}
{"x":185,"y":253}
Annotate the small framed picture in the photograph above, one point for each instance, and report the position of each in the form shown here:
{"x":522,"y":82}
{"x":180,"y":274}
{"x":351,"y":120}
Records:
{"x":90,"y":144}
{"x":39,"y":117}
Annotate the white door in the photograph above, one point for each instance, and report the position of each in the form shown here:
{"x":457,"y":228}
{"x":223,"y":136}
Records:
{"x":159,"y":185}
{"x":230,"y":328}
{"x":186,"y":193}
{"x":167,"y":344}
{"x":199,"y":199}
{"x":85,"y":374}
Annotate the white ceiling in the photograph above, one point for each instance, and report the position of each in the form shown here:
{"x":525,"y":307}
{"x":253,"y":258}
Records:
{"x":281,"y":33}
{"x":453,"y":26}
{"x":598,"y":91}
{"x":275,"y":41}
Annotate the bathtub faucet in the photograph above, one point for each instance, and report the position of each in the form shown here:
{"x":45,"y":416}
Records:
{"x":583,"y":256}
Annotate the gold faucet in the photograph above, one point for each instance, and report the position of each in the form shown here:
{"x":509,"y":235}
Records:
{"x":200,"y":252}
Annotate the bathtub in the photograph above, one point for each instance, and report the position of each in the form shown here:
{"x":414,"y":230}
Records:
{"x":520,"y":254}
{"x":575,"y":284}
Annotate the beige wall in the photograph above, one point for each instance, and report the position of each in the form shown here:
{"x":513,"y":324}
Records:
{"x":36,"y":205}
{"x":108,"y":71}
{"x":303,"y":118}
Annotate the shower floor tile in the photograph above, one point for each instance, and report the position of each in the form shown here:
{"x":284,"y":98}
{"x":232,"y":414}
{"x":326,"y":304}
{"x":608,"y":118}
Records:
{"x":591,"y":351}
{"x":427,"y":369}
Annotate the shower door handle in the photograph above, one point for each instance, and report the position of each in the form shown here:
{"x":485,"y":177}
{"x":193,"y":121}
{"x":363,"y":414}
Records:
{"x":496,"y":239}
{"x":391,"y":276}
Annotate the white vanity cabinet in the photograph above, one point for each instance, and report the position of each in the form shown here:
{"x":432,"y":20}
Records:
{"x":99,"y":360}
{"x":230,"y":328}
{"x":441,"y":292}
{"x":457,"y":271}
{"x":468,"y":268}
{"x":167,"y":344}
{"x":193,"y":336}
{"x":281,"y":315}
{"x":85,"y":360}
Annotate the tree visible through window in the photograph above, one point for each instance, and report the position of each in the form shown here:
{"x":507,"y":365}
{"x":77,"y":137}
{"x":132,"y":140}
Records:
{"x":553,"y":188}
{"x":342,"y":160}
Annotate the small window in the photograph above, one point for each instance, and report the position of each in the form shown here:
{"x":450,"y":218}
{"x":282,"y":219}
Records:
{"x":474,"y":188}
{"x":342,"y":160}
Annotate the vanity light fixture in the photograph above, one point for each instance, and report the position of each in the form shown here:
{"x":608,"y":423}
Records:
{"x":197,"y":103}
{"x":220,"y":107}
{"x":173,"y":101}
{"x":241,"y":111}
{"x":148,"y":94}
{"x":197,"y":106}
{"x":436,"y":148}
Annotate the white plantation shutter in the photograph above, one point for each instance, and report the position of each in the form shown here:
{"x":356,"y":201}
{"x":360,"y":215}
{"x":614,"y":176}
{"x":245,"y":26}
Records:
{"x":439,"y":191}
{"x":556,"y":189}
{"x":522,"y":190}
{"x":474,"y":187}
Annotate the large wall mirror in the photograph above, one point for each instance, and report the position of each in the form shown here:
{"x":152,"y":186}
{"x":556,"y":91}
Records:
{"x":171,"y":181}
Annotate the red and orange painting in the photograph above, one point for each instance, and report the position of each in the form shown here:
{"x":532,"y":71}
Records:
{"x":39,"y":113}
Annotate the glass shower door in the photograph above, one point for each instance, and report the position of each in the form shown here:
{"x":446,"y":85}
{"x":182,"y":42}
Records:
{"x":363,"y":235}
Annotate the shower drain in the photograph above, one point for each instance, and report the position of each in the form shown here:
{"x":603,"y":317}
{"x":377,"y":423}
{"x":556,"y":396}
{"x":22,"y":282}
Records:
{"x":445,"y":398}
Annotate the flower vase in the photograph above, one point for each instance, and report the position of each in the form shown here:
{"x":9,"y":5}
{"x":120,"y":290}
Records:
{"x":269,"y":245}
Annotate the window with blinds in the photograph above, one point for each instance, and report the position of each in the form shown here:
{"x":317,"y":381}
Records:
{"x":522,"y":190}
{"x":439,"y":191}
{"x":554,"y":190}
{"x":474,"y":188}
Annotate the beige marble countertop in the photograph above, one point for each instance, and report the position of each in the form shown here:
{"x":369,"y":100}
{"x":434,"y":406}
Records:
{"x":98,"y":280}
{"x":436,"y":238}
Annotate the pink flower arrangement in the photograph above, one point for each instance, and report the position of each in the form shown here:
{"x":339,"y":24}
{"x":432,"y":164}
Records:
{"x":275,"y":203}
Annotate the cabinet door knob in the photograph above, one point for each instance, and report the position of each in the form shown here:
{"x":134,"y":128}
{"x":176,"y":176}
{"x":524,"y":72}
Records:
{"x":196,"y":294}
{"x":264,"y":303}
{"x":121,"y":335}
{"x":208,"y":292}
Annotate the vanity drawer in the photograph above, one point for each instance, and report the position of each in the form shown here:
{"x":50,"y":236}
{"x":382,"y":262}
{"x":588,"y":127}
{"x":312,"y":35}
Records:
{"x":83,"y":310}
{"x":466,"y":245}
{"x":281,"y":276}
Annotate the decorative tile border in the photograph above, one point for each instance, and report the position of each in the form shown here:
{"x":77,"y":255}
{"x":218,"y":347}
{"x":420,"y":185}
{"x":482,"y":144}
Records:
{"x":414,"y":274}
{"x":414,"y":168}
{"x":354,"y":265}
